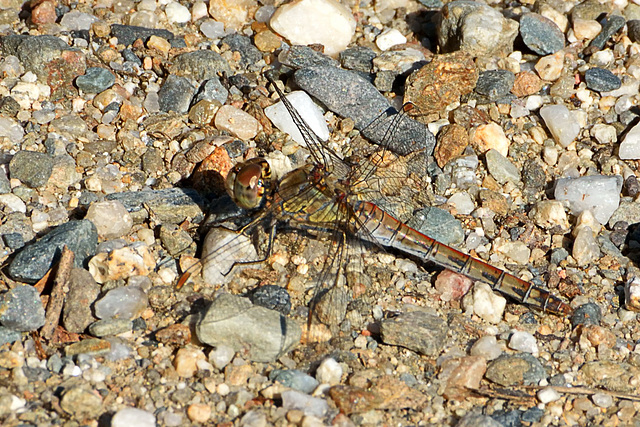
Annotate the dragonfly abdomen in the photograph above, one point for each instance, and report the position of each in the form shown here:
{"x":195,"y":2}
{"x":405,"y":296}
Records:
{"x":390,"y":232}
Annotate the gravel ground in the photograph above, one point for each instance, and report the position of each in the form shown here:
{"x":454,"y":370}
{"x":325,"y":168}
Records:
{"x":120,"y":120}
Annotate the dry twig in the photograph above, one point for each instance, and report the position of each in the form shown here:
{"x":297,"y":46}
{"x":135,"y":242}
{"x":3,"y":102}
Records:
{"x":58,"y":293}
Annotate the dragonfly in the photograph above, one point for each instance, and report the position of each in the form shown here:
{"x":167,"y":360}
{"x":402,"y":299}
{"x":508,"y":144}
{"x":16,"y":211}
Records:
{"x":329,"y":194}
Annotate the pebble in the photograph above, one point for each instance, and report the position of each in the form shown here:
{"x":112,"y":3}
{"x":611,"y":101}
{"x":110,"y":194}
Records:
{"x":126,"y":302}
{"x":212,"y":90}
{"x":561,"y":123}
{"x":200,"y":65}
{"x":601,"y":80}
{"x":389,"y":38}
{"x":586,"y":314}
{"x":473,"y":419}
{"x":598,"y":193}
{"x":548,"y":395}
{"x":177,"y":13}
{"x":176,"y":334}
{"x":212,"y":29}
{"x":12,"y":203}
{"x":632,"y":294}
{"x":541,"y":34}
{"x":35,"y":259}
{"x":416,"y":330}
{"x":186,"y":361}
{"x":550,"y":67}
{"x":549,"y":214}
{"x":452,"y":286}
{"x":294,"y":400}
{"x":81,"y":403}
{"x":604,"y":134}
{"x":199,"y":412}
{"x":437,"y":224}
{"x":484,"y":303}
{"x":462,"y":203}
{"x":249,"y":54}
{"x":462,"y":375}
{"x":602,"y":400}
{"x":349,"y":95}
{"x":237,"y":122}
{"x":127,"y":417}
{"x":501,"y":168}
{"x":83,"y":291}
{"x":633,"y":28}
{"x":11,"y":129}
{"x":475,"y":28}
{"x":8,"y":335}
{"x":220,"y":356}
{"x":495,"y":83}
{"x":272,"y":297}
{"x":490,"y":136}
{"x":176,"y":94}
{"x":630,"y":145}
{"x":21,"y":309}
{"x":232,"y":15}
{"x":586,"y":29}
{"x":236,"y":322}
{"x":523,"y":341}
{"x":110,"y":327}
{"x":95,"y":80}
{"x":31,"y":168}
{"x":122,"y":263}
{"x":215,"y":268}
{"x":308,"y":110}
{"x":325,"y":22}
{"x":295,"y":379}
{"x":521,"y":368}
{"x":111,"y":218}
{"x":358,"y":58}
{"x":329,"y":372}
{"x":610,"y":26}
{"x":128,"y":34}
{"x":169,"y":205}
{"x":486,"y":347}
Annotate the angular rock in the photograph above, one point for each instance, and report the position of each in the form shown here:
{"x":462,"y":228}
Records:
{"x":21,"y":309}
{"x":418,"y":330}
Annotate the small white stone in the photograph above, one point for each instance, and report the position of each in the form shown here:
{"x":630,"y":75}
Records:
{"x":306,"y":22}
{"x":630,"y":146}
{"x":127,"y":302}
{"x":309,"y":111}
{"x":389,"y":38}
{"x":177,"y":13}
{"x":462,"y":202}
{"x":547,"y":395}
{"x":111,"y":219}
{"x":199,"y":10}
{"x":561,"y":123}
{"x":237,"y":122}
{"x":485,"y":303}
{"x":212,"y":29}
{"x":517,"y":251}
{"x":585,"y":247}
{"x":602,"y":58}
{"x":12,"y":203}
{"x":523,"y":341}
{"x":632,"y":294}
{"x":128,"y":417}
{"x":603,"y":400}
{"x":586,"y":29}
{"x":604,"y":134}
{"x":11,"y":129}
{"x":550,"y":213}
{"x":586,"y":219}
{"x":550,"y":67}
{"x":77,"y":21}
{"x":598,"y":193}
{"x":487,"y":347}
{"x":329,"y":372}
{"x":221,"y":356}
{"x":533,"y":102}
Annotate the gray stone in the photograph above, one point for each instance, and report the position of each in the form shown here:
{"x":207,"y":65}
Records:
{"x":349,"y":95}
{"x":234,"y":321}
{"x":127,"y":34}
{"x":358,"y":58}
{"x":249,"y":54}
{"x":517,"y":369}
{"x":541,"y":34}
{"x":109,"y":327}
{"x":176,"y":94}
{"x":495,"y":83}
{"x":169,"y":205}
{"x":8,"y":335}
{"x":303,"y":57}
{"x":21,"y":309}
{"x":34,"y":52}
{"x":294,"y":379}
{"x":212,"y":90}
{"x":31,"y":168}
{"x":200,"y":65}
{"x":438,"y":224}
{"x":418,"y":330}
{"x":601,"y":80}
{"x":501,"y":168}
{"x":33,"y":262}
{"x":610,"y":26}
{"x":95,"y":80}
{"x":633,"y":30}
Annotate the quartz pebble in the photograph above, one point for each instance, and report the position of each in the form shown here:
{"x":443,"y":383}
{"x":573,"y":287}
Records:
{"x":309,"y":111}
{"x":632,"y":294}
{"x":111,"y":218}
{"x":523,"y":341}
{"x":561,"y":123}
{"x":128,"y":417}
{"x":547,"y":395}
{"x":598,"y":193}
{"x":186,"y":361}
{"x":305,"y":22}
{"x":630,"y":145}
{"x":390,"y":38}
{"x":122,"y":263}
{"x":452,"y":286}
{"x":484,"y":303}
{"x":221,"y":356}
{"x":236,"y":122}
{"x":126,"y":302}
{"x":177,"y":13}
{"x":549,"y":214}
{"x":487,"y":347}
{"x":292,"y":399}
{"x":329,"y":372}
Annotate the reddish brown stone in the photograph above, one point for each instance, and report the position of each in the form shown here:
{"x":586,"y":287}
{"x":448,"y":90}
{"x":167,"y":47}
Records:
{"x":452,"y":140}
{"x":213,"y":170}
{"x":441,"y":82}
{"x":62,"y":72}
{"x":176,"y":334}
{"x":43,"y":12}
{"x":526,"y":83}
{"x":462,"y":376}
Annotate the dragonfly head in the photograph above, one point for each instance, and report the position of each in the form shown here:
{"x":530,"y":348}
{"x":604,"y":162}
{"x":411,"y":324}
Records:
{"x":248,"y":183}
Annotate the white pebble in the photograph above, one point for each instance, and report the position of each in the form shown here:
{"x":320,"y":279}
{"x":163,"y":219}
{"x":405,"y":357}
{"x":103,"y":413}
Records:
{"x":483,"y":302}
{"x":547,"y":395}
{"x":598,"y":193}
{"x":487,"y":347}
{"x":632,"y":294}
{"x":306,"y":22}
{"x":111,"y":219}
{"x":12,"y":203}
{"x":604,"y":134}
{"x":462,"y":202}
{"x":212,"y":29}
{"x":603,"y":400}
{"x":329,"y":372}
{"x":309,"y":111}
{"x":523,"y":341}
{"x":177,"y":13}
{"x":389,"y":38}
{"x":199,"y":10}
{"x":221,"y":356}
{"x":11,"y":129}
{"x":630,"y":146}
{"x":561,"y":123}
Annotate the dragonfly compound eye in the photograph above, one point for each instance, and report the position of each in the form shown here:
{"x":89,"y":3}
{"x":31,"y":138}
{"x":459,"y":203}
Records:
{"x":246,"y":185}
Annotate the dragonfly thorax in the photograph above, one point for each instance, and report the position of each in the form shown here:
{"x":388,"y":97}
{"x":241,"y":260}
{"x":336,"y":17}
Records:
{"x":248,"y":183}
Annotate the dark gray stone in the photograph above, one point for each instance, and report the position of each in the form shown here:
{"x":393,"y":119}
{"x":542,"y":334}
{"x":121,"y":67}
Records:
{"x":349,"y":95}
{"x":5,"y":185}
{"x":359,"y":58}
{"x":249,"y":54}
{"x":495,"y":83}
{"x":633,"y":30}
{"x":95,"y":80}
{"x":127,"y":34}
{"x":200,"y":65}
{"x":21,"y":309}
{"x":9,"y":106}
{"x":263,"y":334}
{"x":272,"y":297}
{"x":541,"y":34}
{"x":418,"y":330}
{"x":303,"y":56}
{"x":33,"y":262}
{"x":31,"y":168}
{"x":601,"y":80}
{"x":176,"y":94}
{"x":610,"y":26}
{"x":586,"y":314}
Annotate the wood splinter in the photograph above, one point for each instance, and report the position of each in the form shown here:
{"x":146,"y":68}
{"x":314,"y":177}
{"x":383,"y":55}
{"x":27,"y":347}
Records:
{"x":58,"y":293}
